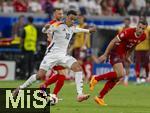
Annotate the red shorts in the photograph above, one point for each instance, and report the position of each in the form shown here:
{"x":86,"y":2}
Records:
{"x":115,"y":58}
{"x":142,"y":57}
{"x":58,"y":67}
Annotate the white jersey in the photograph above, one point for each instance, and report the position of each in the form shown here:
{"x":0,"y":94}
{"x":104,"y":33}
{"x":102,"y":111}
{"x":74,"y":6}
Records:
{"x":61,"y":36}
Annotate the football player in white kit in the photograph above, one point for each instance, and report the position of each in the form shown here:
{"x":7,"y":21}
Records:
{"x":56,"y":54}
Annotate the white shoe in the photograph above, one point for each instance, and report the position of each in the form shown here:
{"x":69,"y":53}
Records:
{"x":82,"y":97}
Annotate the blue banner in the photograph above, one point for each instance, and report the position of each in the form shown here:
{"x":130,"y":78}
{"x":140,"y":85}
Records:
{"x":99,"y":69}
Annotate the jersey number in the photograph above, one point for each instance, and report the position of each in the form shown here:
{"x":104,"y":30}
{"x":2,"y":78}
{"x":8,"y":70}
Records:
{"x":67,"y":36}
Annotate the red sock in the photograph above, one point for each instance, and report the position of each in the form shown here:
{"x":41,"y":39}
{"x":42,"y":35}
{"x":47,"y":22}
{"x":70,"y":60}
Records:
{"x":59,"y":84}
{"x":51,"y":80}
{"x":107,"y":76}
{"x":137,"y":70}
{"x":108,"y":86}
{"x":146,"y":69}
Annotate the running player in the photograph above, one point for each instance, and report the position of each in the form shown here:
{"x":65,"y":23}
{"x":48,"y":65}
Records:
{"x":56,"y":54}
{"x":119,"y":49}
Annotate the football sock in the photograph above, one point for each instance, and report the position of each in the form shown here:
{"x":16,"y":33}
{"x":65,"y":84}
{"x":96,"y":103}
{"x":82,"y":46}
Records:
{"x":51,"y":80}
{"x":108,"y":86}
{"x":79,"y":82}
{"x":147,"y":70}
{"x":107,"y":76}
{"x":126,"y":78}
{"x":28,"y":82}
{"x":137,"y":70}
{"x":59,"y":84}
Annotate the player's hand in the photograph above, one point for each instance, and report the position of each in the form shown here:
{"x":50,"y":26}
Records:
{"x":47,"y":26}
{"x":102,"y":58}
{"x":92,"y":29}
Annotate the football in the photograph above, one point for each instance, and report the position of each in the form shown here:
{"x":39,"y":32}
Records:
{"x":52,"y":99}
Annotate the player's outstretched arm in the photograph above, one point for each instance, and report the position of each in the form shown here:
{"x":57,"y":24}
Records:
{"x":90,"y":30}
{"x":103,"y":57}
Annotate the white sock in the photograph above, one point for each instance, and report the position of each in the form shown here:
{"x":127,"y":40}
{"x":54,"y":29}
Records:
{"x":138,"y":80}
{"x":79,"y":82}
{"x":126,"y":79}
{"x":28,"y":82}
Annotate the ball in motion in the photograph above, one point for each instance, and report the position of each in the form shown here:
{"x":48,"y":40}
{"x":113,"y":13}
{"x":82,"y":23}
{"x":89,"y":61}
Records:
{"x":52,"y":99}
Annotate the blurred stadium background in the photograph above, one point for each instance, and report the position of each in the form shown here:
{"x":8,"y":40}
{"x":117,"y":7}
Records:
{"x":107,"y":15}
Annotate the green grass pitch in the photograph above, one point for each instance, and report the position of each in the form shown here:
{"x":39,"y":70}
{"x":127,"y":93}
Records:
{"x":131,"y":99}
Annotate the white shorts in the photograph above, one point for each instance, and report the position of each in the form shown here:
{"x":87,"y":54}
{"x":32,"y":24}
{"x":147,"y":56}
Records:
{"x":51,"y":60}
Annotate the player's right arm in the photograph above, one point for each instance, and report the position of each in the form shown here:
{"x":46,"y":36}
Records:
{"x":120,"y":37}
{"x":103,"y":57}
{"x":45,"y":28}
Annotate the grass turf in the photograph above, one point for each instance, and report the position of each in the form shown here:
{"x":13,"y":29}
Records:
{"x":131,"y":99}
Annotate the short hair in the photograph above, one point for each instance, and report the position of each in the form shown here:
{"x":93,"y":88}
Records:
{"x":143,"y":21}
{"x":30,"y":19}
{"x":72,"y":12}
{"x":55,"y":9}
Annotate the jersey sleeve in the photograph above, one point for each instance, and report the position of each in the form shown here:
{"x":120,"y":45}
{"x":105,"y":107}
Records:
{"x":123,"y":34}
{"x":51,"y":29}
{"x":76,"y":30}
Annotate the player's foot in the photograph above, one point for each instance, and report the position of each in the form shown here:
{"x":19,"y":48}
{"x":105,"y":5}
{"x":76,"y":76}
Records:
{"x":83,"y":97}
{"x":100,"y":101}
{"x":15,"y":92}
{"x":125,"y":83}
{"x":93,"y":82}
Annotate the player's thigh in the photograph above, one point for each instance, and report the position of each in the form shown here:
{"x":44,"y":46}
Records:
{"x":119,"y":69}
{"x":48,"y":62}
{"x":71,"y":63}
{"x":41,"y":74}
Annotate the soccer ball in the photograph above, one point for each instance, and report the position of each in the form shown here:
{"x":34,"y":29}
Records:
{"x":52,"y":99}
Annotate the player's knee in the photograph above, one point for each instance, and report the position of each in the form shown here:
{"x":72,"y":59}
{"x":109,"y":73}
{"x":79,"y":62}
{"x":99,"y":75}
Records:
{"x":77,"y":68}
{"x":41,"y":75}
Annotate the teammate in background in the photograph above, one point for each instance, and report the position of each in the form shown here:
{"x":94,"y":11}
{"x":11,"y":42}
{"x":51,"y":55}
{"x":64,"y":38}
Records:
{"x":119,"y":49}
{"x":56,"y":54}
{"x":81,"y":43}
{"x":142,"y":56}
{"x":58,"y":78}
{"x":127,"y":23}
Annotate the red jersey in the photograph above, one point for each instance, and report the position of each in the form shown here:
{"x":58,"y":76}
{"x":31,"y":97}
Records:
{"x":128,"y":40}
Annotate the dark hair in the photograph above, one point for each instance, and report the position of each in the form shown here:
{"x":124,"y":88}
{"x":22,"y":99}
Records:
{"x":55,"y":9}
{"x":72,"y":12}
{"x":143,"y":21}
{"x":30,"y":19}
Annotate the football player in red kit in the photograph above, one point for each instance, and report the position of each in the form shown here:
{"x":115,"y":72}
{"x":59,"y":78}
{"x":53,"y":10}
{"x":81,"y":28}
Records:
{"x":118,"y":50}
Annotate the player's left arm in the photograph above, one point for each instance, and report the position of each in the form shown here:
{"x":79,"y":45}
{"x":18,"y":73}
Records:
{"x":90,"y":30}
